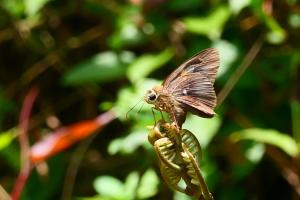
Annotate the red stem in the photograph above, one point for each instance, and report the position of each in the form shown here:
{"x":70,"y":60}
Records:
{"x":24,"y":143}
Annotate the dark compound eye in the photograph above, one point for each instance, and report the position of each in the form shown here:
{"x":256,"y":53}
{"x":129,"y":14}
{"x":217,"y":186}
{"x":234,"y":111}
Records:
{"x":152,"y":97}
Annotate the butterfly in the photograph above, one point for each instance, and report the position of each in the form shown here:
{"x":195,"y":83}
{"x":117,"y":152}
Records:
{"x":188,"y":89}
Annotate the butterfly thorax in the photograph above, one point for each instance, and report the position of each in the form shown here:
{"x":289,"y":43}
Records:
{"x":164,"y":101}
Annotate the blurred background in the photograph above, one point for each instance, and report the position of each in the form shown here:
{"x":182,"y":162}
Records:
{"x":89,"y":58}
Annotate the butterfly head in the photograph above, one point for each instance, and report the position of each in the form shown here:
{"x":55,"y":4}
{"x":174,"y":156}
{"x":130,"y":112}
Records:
{"x":152,"y":95}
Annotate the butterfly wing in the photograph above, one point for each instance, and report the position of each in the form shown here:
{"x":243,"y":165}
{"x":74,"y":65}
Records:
{"x":194,"y":92}
{"x":205,"y":62}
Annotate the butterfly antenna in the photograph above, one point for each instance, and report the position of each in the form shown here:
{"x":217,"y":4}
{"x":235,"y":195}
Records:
{"x":133,"y":108}
{"x":140,"y":108}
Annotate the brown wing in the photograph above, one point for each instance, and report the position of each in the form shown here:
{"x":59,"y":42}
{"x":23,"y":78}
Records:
{"x":195,"y":93}
{"x":205,"y":62}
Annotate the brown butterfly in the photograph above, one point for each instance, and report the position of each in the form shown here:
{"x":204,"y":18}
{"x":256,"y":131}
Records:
{"x":188,"y":88}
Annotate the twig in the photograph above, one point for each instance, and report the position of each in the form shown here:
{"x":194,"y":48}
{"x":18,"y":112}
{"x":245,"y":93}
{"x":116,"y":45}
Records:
{"x":240,"y":70}
{"x":73,"y":167}
{"x":77,"y":156}
{"x":55,"y":56}
{"x":24,"y":143}
{"x":289,"y":170}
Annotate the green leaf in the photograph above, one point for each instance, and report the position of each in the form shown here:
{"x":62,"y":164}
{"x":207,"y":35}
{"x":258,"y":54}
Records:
{"x":33,"y":6}
{"x":237,"y":5}
{"x":147,"y":63}
{"x":108,"y":186}
{"x":228,"y":54}
{"x":255,"y":152}
{"x":129,"y":143}
{"x":204,"y":129}
{"x":294,"y":20}
{"x":129,"y":97}
{"x":7,"y":137}
{"x":103,"y":67}
{"x":131,"y":184}
{"x":277,"y":34}
{"x":211,"y":26}
{"x":13,"y":7}
{"x":128,"y":35}
{"x":268,"y":136}
{"x":127,"y":32}
{"x":181,"y":196}
{"x":295,"y":107}
{"x":148,"y":185}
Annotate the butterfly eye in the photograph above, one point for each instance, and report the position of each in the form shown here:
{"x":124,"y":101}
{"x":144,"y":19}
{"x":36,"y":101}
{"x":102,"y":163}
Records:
{"x":152,"y":97}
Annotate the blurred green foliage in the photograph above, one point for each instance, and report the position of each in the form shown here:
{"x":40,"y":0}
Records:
{"x":91,"y":54}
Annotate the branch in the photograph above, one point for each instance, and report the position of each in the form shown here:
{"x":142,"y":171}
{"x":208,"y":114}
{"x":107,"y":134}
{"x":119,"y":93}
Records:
{"x":234,"y":78}
{"x":24,"y":143}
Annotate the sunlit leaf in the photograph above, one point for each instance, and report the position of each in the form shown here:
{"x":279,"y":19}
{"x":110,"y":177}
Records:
{"x":228,"y":54}
{"x":181,"y":196}
{"x":7,"y":137}
{"x":103,"y":67}
{"x":268,"y":136}
{"x":237,"y":5}
{"x":127,"y":32}
{"x":128,"y":35}
{"x":255,"y":152}
{"x":276,"y":34}
{"x":294,"y":20}
{"x":148,"y":185}
{"x":131,"y":184}
{"x":14,"y":7}
{"x":33,"y":6}
{"x":211,"y":25}
{"x":204,"y":129}
{"x":147,"y":63}
{"x":129,"y":143}
{"x":108,"y":186}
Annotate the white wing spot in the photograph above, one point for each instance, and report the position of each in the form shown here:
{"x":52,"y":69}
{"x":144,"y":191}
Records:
{"x":191,"y":69}
{"x":184,"y":92}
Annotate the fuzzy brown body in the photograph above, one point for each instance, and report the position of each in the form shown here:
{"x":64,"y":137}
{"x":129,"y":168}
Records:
{"x":166,"y":102}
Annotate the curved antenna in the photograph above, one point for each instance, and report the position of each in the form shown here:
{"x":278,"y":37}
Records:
{"x":133,"y":107}
{"x":140,"y":108}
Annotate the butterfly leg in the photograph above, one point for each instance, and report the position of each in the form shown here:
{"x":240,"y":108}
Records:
{"x":175,"y":121}
{"x":162,"y":116}
{"x":152,"y":109}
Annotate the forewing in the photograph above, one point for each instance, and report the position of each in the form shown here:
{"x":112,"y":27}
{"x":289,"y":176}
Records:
{"x":205,"y":62}
{"x":195,"y":93}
